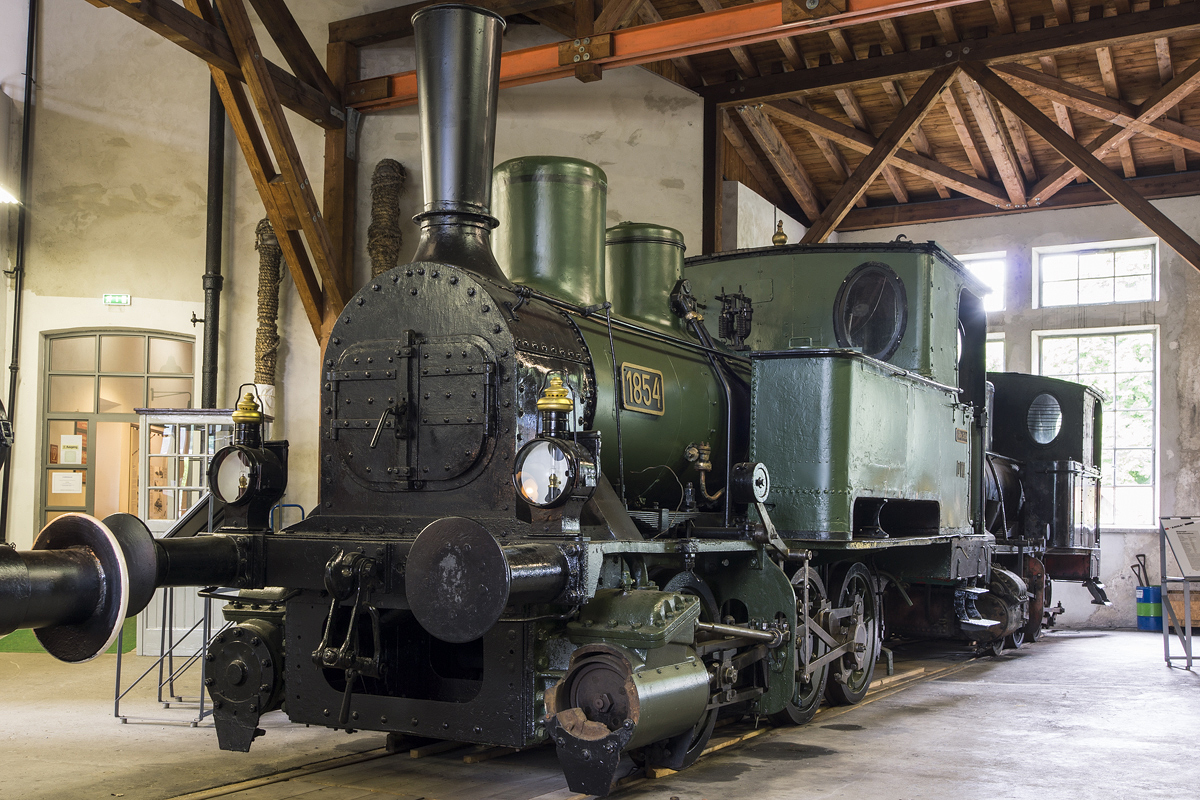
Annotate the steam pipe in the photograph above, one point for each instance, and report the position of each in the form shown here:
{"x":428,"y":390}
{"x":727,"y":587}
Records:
{"x":458,"y":81}
{"x":212,"y":247}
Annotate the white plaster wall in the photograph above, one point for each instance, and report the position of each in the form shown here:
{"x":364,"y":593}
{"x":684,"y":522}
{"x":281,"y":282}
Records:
{"x":13,"y":33}
{"x":643,"y":131}
{"x":1179,"y":355}
{"x":748,"y":219}
{"x":119,"y":189}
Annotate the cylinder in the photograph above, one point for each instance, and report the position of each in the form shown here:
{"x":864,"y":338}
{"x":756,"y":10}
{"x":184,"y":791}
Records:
{"x":551,"y":234}
{"x":612,"y":684}
{"x":645,"y":261}
{"x":458,"y":79}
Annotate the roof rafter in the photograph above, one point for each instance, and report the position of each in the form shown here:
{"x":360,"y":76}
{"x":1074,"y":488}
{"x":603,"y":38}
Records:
{"x":1118,"y":112}
{"x":749,"y":158}
{"x":794,"y":113}
{"x":895,"y":135}
{"x":789,"y":168}
{"x":993,"y":136}
{"x":1078,"y":155}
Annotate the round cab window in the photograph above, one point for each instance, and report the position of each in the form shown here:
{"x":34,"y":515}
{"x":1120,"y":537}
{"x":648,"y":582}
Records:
{"x":871,"y":310}
{"x":1044,"y":418}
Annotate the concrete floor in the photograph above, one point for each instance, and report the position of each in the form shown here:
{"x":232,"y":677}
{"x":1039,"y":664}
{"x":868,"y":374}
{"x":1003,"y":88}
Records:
{"x":1081,"y":714}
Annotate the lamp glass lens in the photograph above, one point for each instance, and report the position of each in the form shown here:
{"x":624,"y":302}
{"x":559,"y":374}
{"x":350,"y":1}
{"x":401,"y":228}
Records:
{"x":543,"y":472}
{"x":233,"y":476}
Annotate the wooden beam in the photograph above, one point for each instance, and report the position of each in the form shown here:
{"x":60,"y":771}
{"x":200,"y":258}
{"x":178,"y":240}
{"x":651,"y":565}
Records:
{"x":1137,"y":122}
{"x":1074,"y":152}
{"x":205,"y":40}
{"x":858,"y":117}
{"x":585,"y":26}
{"x":262,"y":171}
{"x":892,"y":35}
{"x":279,"y":135}
{"x":1155,"y":187}
{"x":837,"y":161}
{"x":965,"y":136}
{"x":920,"y":141}
{"x":1118,"y":112}
{"x":1139,"y":26}
{"x":616,"y":14}
{"x":649,"y":15}
{"x":294,"y":46}
{"x":341,"y":177}
{"x":749,"y":158}
{"x":795,"y":114}
{"x":1166,"y":71}
{"x":1062,"y":11}
{"x":1016,"y":135}
{"x":740,"y":54}
{"x":1004,"y":20}
{"x":870,"y":167}
{"x":788,"y":167}
{"x":791,"y":51}
{"x":396,"y":23}
{"x":945,"y":20}
{"x":1061,"y":113}
{"x":1108,"y":75}
{"x":993,"y":137}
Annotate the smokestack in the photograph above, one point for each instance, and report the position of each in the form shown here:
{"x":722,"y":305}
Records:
{"x":458,"y":78}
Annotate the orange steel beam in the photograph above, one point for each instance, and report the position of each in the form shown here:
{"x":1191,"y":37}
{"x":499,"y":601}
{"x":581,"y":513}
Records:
{"x":673,"y":38}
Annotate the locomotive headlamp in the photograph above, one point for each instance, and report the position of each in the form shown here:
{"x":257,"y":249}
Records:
{"x":549,"y":472}
{"x":249,"y":475}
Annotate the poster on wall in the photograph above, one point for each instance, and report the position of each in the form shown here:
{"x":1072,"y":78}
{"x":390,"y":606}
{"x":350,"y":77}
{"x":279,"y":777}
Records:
{"x":70,"y":449}
{"x":63,"y":482}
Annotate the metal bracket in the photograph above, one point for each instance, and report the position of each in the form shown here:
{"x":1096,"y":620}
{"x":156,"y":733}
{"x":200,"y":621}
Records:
{"x":803,"y":10}
{"x":353,"y":122}
{"x":586,"y":49}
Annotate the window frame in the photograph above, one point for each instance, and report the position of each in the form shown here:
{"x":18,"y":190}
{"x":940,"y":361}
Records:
{"x":94,"y":417}
{"x":998,"y":336}
{"x":1085,"y":247}
{"x":1036,"y":337}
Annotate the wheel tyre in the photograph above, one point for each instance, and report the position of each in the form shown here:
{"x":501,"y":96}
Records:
{"x":807,"y":697}
{"x":856,"y":582}
{"x":1015,"y":639}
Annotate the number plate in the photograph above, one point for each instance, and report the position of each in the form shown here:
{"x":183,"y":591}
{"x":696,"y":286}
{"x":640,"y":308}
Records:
{"x":642,"y":389}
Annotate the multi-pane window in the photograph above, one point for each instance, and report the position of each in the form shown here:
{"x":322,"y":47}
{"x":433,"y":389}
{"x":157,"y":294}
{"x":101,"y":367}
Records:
{"x":1121,"y":273}
{"x":1121,"y":364}
{"x":94,"y":381}
{"x":990,"y":268}
{"x":993,"y":353}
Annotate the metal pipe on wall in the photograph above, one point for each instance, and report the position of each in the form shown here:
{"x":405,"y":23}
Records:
{"x":18,"y":271}
{"x":212,"y":248}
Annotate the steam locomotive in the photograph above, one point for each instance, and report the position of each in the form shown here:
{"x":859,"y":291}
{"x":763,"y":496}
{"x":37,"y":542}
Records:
{"x":554,"y":507}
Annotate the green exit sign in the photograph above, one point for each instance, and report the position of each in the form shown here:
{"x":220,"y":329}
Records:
{"x":116,"y":299}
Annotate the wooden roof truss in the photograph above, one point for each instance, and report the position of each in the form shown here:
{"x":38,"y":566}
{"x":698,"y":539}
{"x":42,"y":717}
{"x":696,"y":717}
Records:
{"x":855,"y":114}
